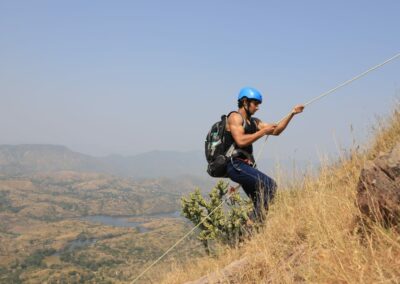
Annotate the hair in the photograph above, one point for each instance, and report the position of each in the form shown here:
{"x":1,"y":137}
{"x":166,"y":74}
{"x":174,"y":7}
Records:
{"x":241,"y":102}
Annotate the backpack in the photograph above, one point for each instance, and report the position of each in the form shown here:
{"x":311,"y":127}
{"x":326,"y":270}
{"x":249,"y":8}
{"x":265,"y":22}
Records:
{"x":216,"y":154}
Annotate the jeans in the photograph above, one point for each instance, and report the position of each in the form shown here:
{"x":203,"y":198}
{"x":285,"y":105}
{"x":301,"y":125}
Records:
{"x":259,"y":187}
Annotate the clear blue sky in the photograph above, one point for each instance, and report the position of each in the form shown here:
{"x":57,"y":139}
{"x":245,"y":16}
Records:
{"x":127,"y":77}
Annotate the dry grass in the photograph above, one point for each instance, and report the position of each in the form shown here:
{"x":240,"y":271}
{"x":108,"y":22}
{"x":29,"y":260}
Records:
{"x":311,"y":234}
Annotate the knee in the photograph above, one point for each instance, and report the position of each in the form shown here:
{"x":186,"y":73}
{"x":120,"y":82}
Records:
{"x":274,"y":188}
{"x":268,"y":187}
{"x":271,"y":188}
{"x":270,"y":184}
{"x":274,"y":185}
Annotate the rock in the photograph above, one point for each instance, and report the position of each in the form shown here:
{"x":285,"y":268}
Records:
{"x":378,"y":190}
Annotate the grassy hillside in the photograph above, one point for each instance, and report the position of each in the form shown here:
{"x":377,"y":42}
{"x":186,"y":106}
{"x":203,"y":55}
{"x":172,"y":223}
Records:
{"x":311,"y":234}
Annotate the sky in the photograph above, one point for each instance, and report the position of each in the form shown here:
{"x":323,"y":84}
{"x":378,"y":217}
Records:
{"x":127,"y":77}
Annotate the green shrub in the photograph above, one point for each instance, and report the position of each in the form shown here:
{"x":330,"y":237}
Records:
{"x":227,"y":224}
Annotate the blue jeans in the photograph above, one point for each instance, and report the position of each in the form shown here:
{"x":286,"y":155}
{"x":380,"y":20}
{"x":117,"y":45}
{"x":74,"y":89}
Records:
{"x":259,"y":187}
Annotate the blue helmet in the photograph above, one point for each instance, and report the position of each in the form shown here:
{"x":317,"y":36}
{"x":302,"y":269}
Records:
{"x":250,"y":93}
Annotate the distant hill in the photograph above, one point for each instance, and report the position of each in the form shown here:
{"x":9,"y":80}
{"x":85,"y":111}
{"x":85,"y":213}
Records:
{"x":36,"y":158}
{"x":28,"y":159}
{"x":157,"y":164}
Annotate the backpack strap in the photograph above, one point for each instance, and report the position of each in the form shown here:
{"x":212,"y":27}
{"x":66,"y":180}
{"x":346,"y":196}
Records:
{"x":233,"y":151}
{"x":232,"y":148}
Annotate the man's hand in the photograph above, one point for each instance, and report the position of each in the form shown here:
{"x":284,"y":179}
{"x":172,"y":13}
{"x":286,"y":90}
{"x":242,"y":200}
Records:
{"x":297,"y":109}
{"x":269,"y":128}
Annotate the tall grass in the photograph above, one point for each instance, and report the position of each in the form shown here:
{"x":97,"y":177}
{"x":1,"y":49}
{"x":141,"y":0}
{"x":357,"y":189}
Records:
{"x":311,"y":234}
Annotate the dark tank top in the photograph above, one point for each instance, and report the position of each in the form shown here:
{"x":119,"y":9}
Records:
{"x":249,"y":128}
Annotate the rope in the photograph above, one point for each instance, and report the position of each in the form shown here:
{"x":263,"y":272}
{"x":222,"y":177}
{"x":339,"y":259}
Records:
{"x":331,"y":91}
{"x":352,"y":79}
{"x":258,"y":156}
{"x":180,"y":240}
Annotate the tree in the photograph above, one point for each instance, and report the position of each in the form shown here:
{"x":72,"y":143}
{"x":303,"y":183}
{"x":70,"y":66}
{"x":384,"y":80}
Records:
{"x":227,"y":223}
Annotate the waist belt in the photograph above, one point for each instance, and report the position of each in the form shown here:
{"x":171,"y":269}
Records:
{"x":248,"y":158}
{"x":247,"y":161}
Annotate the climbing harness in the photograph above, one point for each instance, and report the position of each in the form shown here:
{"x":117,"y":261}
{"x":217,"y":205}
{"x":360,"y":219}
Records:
{"x":259,"y":154}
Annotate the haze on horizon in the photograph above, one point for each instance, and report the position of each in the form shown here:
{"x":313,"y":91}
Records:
{"x":135,"y":76}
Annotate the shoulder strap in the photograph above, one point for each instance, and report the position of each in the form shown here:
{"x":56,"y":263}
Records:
{"x":232,"y":148}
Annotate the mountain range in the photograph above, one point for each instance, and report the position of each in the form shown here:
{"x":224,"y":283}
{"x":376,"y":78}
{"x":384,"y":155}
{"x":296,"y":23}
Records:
{"x":34,"y":158}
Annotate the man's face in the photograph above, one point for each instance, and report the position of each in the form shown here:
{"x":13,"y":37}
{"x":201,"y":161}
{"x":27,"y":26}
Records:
{"x":253,"y":106}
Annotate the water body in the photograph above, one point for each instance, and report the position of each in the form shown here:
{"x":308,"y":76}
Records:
{"x":116,"y":221}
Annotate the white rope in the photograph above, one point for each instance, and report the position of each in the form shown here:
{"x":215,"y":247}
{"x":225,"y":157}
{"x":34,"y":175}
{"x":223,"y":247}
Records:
{"x":331,"y":91}
{"x":180,"y":240}
{"x":258,"y":156}
{"x":352,"y":79}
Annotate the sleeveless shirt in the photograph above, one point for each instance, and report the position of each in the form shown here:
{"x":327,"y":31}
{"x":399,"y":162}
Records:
{"x":249,"y":128}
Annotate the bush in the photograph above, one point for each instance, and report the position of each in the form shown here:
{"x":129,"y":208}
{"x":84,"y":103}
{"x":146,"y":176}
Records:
{"x":226,"y":225}
{"x":36,"y":258}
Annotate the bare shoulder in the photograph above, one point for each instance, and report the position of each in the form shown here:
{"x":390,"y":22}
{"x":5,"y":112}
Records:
{"x":235,"y":122}
{"x":258,"y":122}
{"x":235,"y":119}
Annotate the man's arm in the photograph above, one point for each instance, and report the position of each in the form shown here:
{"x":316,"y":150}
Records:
{"x":235,"y":123}
{"x":284,"y":123}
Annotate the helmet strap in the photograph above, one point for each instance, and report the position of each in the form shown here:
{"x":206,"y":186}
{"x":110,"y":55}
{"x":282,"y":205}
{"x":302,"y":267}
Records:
{"x":246,"y":108}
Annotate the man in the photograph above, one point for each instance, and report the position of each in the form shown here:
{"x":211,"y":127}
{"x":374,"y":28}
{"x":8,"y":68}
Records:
{"x":242,"y":129}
